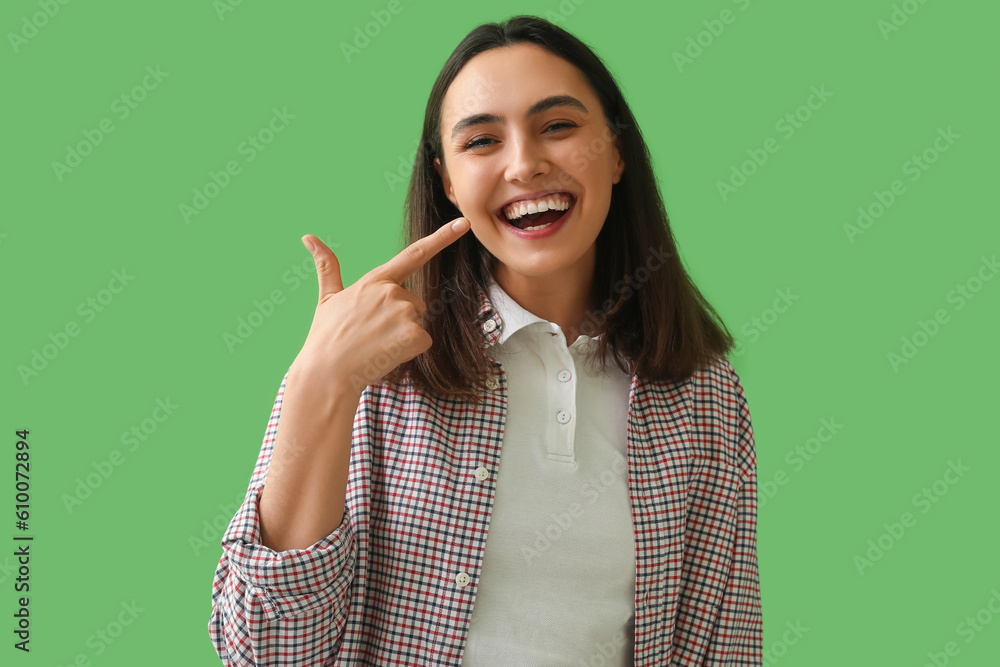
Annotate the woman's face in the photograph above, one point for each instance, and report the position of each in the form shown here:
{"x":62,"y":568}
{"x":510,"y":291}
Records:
{"x":498,"y":149}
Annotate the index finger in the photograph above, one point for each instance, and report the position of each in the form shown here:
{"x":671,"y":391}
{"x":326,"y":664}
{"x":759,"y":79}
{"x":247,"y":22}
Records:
{"x":415,"y":255}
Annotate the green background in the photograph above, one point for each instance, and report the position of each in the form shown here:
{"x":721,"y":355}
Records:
{"x":149,"y":531}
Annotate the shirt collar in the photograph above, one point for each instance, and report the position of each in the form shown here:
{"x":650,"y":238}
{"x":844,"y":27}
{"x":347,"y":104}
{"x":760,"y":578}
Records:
{"x":513,"y":316}
{"x":500,"y":317}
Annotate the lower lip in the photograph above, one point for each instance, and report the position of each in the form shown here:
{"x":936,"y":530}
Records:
{"x":534,"y":234}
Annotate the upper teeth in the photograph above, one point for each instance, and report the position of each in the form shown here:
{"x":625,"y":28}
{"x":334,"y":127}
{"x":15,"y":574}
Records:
{"x":552,"y":202}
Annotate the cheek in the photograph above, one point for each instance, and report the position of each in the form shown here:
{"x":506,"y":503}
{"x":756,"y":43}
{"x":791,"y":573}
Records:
{"x":472,"y":190}
{"x":596,"y":151}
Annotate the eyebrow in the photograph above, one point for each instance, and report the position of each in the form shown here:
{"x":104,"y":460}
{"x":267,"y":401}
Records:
{"x":536,"y":108}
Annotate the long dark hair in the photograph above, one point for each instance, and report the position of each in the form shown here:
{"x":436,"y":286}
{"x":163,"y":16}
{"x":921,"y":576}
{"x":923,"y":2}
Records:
{"x":654,"y":320}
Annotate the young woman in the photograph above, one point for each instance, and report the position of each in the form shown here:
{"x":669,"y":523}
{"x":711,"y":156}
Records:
{"x":519,"y":446}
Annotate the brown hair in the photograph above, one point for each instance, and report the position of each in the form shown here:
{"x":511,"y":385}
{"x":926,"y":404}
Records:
{"x":654,"y":322}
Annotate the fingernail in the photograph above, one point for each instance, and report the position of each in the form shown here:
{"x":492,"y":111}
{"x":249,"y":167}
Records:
{"x":460,"y":225}
{"x":309,"y":245}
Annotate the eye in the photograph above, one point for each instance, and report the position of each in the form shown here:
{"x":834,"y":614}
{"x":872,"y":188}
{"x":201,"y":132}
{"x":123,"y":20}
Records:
{"x":477,"y":142}
{"x":560,"y":124}
{"x":480,"y":142}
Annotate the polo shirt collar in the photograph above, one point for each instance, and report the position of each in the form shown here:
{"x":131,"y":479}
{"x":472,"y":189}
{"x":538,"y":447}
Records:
{"x":500,"y":317}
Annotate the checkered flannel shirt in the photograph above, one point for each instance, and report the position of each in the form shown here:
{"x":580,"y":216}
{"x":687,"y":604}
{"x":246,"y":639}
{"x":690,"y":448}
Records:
{"x":382,"y":589}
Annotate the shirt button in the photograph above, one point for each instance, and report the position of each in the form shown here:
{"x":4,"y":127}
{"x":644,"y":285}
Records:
{"x":564,"y":376}
{"x":563,"y":416}
{"x":462,"y":579}
{"x":489,"y":326}
{"x":482,"y":473}
{"x":492,"y":382}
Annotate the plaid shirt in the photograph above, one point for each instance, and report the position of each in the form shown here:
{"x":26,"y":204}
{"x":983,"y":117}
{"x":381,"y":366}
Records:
{"x":382,"y":588}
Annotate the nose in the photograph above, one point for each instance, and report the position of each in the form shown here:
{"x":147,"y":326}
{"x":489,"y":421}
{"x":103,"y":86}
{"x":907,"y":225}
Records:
{"x":527,"y":160}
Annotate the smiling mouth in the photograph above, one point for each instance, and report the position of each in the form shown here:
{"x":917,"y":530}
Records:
{"x":538,"y":220}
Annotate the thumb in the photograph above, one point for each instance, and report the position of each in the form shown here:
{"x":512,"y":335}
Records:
{"x":327,"y":267}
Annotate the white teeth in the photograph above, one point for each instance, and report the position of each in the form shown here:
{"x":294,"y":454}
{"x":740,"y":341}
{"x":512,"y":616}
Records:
{"x":553,"y":203}
{"x":528,"y":229}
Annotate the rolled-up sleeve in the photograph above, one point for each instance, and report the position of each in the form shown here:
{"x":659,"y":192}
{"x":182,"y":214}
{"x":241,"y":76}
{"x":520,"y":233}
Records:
{"x":279,"y":608}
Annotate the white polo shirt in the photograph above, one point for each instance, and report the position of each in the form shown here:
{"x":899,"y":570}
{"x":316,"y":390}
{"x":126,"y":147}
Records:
{"x":558,"y":579}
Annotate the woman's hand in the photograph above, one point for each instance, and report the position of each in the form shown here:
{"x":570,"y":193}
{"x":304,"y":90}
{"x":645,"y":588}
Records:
{"x":357,"y":335}
{"x":361,"y":333}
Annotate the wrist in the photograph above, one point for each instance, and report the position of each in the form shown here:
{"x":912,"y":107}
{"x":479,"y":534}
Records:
{"x":303,"y":379}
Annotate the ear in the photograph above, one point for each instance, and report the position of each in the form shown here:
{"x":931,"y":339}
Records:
{"x":619,"y":161}
{"x":446,"y":181}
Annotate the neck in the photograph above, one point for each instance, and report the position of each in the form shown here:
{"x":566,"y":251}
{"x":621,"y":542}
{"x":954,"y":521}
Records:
{"x":562,"y":298}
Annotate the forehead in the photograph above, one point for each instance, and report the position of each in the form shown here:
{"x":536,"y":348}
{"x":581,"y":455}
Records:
{"x":511,"y":77}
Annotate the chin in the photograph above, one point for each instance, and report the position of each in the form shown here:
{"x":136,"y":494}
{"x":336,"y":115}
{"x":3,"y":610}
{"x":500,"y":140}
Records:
{"x":544,"y":264}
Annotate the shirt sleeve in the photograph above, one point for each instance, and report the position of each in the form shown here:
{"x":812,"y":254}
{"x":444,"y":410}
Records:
{"x":279,"y":608}
{"x":737,"y":640}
